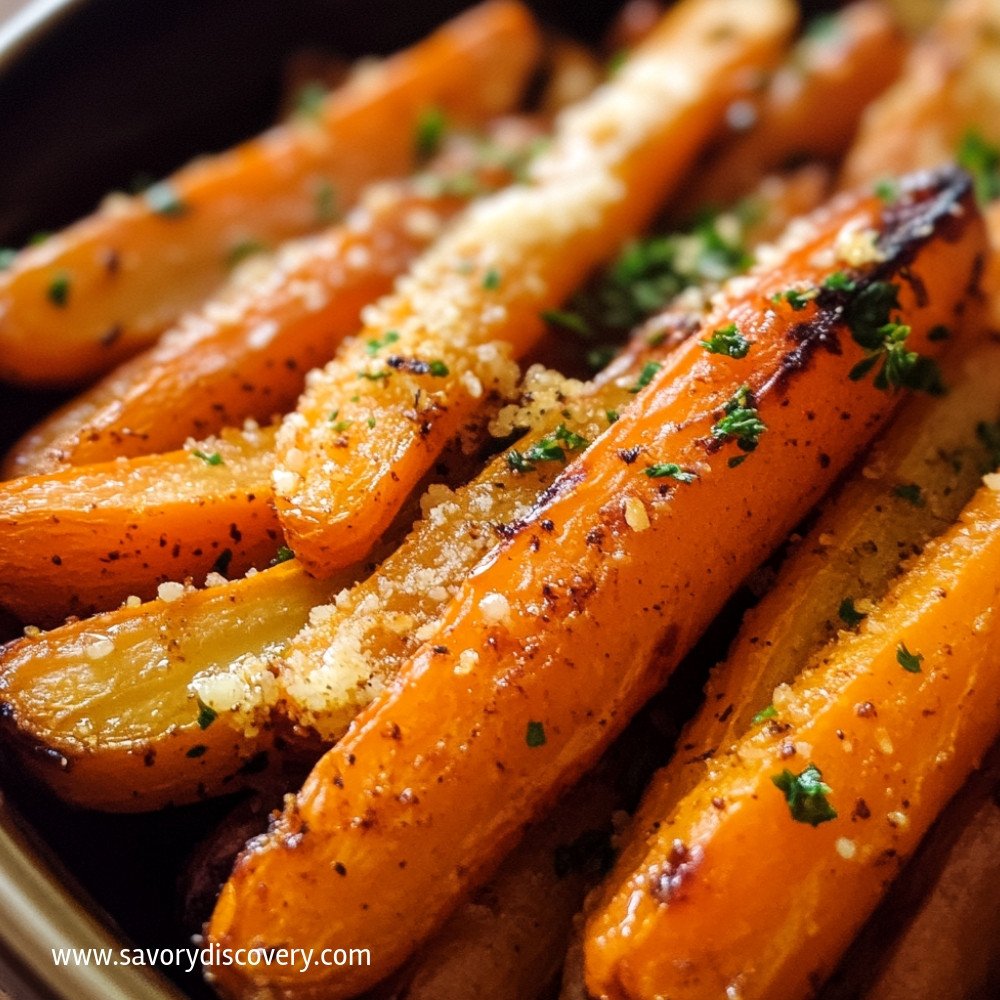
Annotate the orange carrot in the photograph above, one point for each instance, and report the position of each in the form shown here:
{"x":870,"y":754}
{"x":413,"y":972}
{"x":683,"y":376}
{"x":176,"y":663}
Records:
{"x":755,"y":888}
{"x":95,"y":293}
{"x":84,"y":540}
{"x":246,"y":353}
{"x":421,"y":365}
{"x":532,"y":670}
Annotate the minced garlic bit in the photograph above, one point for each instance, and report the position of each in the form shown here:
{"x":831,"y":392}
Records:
{"x":468,"y":659}
{"x":898,"y":819}
{"x":635,"y":514}
{"x":97,"y":647}
{"x":170,"y":591}
{"x":846,"y":848}
{"x":495,"y":608}
{"x":32,"y":631}
{"x":857,"y":247}
{"x":133,"y":601}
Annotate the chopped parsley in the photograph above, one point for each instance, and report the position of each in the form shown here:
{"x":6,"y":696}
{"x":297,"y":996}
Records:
{"x":429,"y":133}
{"x":339,"y":426}
{"x":491,"y":280}
{"x":612,"y":416}
{"x":741,"y":423}
{"x":309,"y":100}
{"x":982,"y":160}
{"x":283,"y":554}
{"x":375,"y":345}
{"x":326,"y":203}
{"x":648,"y":373}
{"x":849,"y":614}
{"x":796,"y":299}
{"x":535,"y":735}
{"x":58,"y":290}
{"x":911,"y":493}
{"x":206,"y":715}
{"x":242,"y":250}
{"x":371,"y":422}
{"x":571,"y":321}
{"x":197,"y":751}
{"x":839,"y":282}
{"x":806,"y":795}
{"x":551,"y":448}
{"x":910,"y":662}
{"x":379,"y":376}
{"x":437,"y":368}
{"x":768,"y":712}
{"x":670,"y":470}
{"x":868,"y":315}
{"x":727,"y":340}
{"x":164,"y":200}
{"x":887,"y":189}
{"x":209,"y":459}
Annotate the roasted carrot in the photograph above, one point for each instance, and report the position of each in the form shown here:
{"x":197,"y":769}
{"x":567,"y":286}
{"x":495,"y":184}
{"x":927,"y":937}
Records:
{"x":112,"y":711}
{"x":419,"y":367}
{"x":90,"y":296}
{"x":84,"y":540}
{"x":947,"y":88}
{"x":529,"y":673}
{"x":864,"y":750}
{"x":914,"y":483}
{"x":246,"y":353}
{"x":811,"y":106}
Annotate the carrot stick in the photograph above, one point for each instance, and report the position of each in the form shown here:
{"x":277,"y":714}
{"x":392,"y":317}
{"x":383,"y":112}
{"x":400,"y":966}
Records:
{"x":865,"y":749}
{"x":247,"y":352}
{"x":531,"y":671}
{"x":84,"y":540}
{"x":428,"y":353}
{"x":90,"y":296}
{"x":811,"y":107}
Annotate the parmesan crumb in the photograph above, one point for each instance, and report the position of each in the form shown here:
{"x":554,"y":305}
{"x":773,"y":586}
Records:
{"x":992,"y":481}
{"x":846,"y":848}
{"x":635,"y":514}
{"x":170,"y":591}
{"x":495,"y":608}
{"x":133,"y":601}
{"x":468,"y":660}
{"x":98,"y":647}
{"x":898,"y":819}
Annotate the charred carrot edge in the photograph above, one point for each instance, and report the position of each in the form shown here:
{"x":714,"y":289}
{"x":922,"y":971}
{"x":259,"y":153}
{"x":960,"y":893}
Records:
{"x":865,"y":749}
{"x":90,"y":296}
{"x":83,"y":540}
{"x":246,"y":352}
{"x":530,"y":672}
{"x":109,"y":711}
{"x":613,"y":159}
{"x":812,"y":106}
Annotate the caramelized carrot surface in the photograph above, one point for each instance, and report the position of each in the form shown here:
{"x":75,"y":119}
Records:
{"x":532,"y":669}
{"x":429,"y":352}
{"x":95,"y":293}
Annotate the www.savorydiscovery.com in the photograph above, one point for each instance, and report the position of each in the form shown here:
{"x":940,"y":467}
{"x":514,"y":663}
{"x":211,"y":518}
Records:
{"x":214,"y":956}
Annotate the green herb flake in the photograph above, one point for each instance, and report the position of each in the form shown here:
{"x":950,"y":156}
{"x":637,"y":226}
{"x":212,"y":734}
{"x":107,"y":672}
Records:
{"x":7,"y":257}
{"x":911,"y":493}
{"x":325,"y":201}
{"x":806,"y":795}
{"x":796,"y":299}
{"x":838,"y":282}
{"x":769,"y":712}
{"x":283,"y":554}
{"x":982,"y":160}
{"x":371,"y":422}
{"x":849,"y":614}
{"x":437,"y":368}
{"x":648,"y":373}
{"x":429,"y":133}
{"x":669,"y":470}
{"x":910,"y":662}
{"x":535,"y":735}
{"x":165,"y":201}
{"x":886,"y":189}
{"x":491,"y":280}
{"x":309,"y":100}
{"x":374,"y":346}
{"x":59,"y":289}
{"x":616,"y":61}
{"x":740,"y":423}
{"x":239,"y":252}
{"x":206,"y":715}
{"x":516,"y":462}
{"x":209,"y":459}
{"x":380,"y":376}
{"x":572,"y":440}
{"x":567,"y":321}
{"x":199,"y":750}
{"x":612,"y":416}
{"x":729,"y":341}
